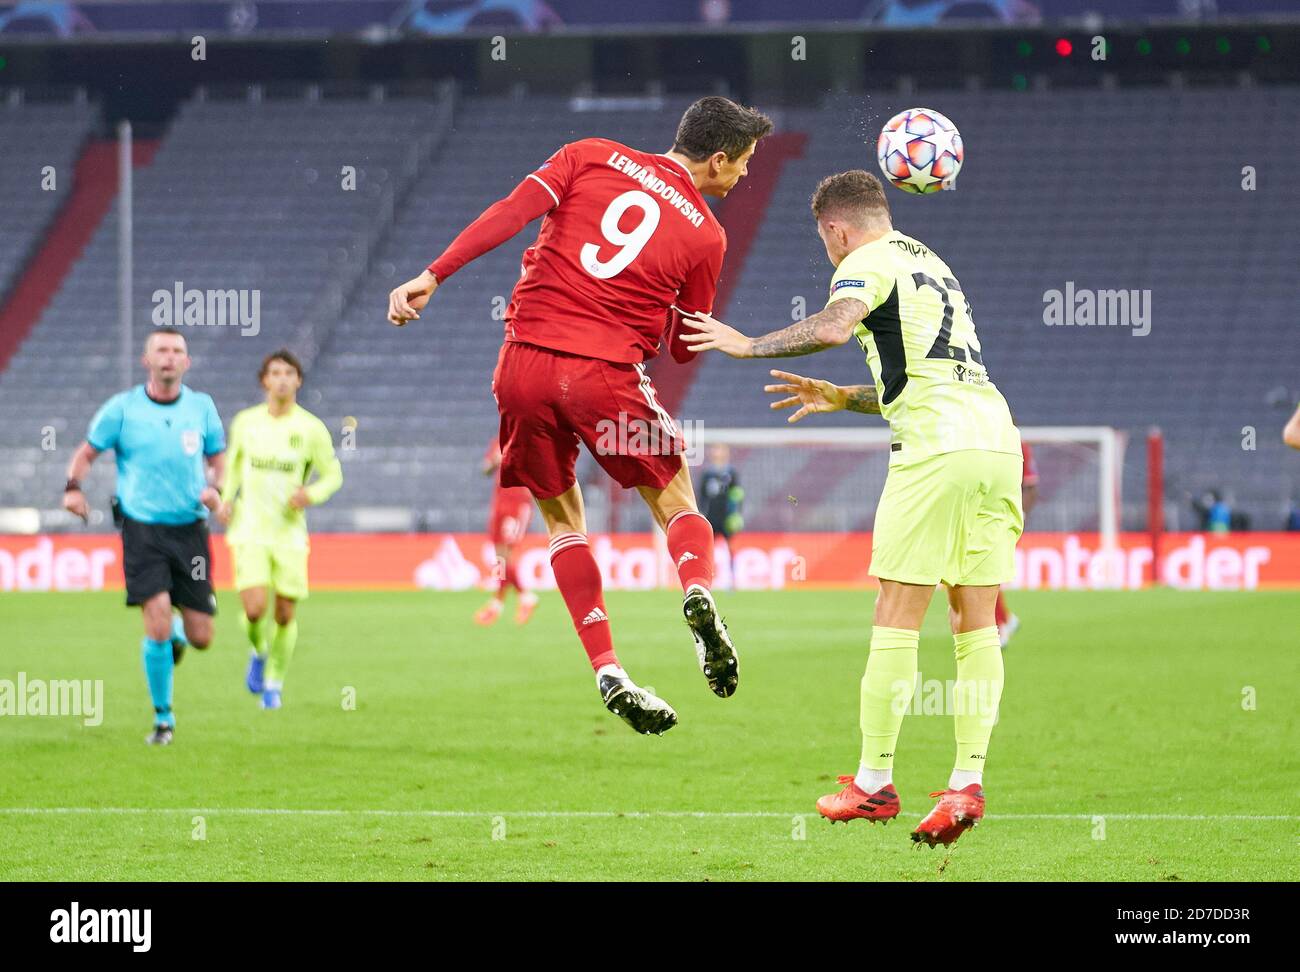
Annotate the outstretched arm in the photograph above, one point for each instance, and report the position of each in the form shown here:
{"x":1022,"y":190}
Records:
{"x":813,"y":395}
{"x":500,"y":221}
{"x":825,"y":329}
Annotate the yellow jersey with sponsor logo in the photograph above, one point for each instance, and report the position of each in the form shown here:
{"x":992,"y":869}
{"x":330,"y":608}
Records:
{"x":269,"y":457}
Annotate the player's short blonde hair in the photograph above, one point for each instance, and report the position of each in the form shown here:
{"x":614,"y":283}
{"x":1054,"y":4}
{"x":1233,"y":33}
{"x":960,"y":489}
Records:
{"x":856,"y":195}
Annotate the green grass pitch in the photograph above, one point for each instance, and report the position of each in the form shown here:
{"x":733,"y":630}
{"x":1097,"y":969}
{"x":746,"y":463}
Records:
{"x":1143,"y":736}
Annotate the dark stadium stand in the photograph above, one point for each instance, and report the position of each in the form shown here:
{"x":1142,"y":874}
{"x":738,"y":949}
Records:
{"x":40,"y":144}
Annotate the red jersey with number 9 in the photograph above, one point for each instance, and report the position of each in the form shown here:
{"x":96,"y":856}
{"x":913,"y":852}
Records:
{"x":629,"y":238}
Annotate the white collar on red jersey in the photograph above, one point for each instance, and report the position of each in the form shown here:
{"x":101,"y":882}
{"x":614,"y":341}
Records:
{"x":685,"y":171}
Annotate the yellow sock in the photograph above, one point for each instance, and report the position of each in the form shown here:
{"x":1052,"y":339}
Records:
{"x":256,"y":632}
{"x":887,"y":688}
{"x":976,"y":694}
{"x":282,"y":645}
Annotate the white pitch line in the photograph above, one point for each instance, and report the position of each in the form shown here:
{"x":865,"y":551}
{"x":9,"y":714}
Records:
{"x":604,"y":814}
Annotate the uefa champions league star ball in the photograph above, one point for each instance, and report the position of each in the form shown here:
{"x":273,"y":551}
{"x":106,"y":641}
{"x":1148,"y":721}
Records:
{"x":920,"y":151}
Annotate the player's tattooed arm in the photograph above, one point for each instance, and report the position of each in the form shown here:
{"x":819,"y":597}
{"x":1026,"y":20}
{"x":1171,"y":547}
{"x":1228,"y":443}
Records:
{"x":825,"y":329}
{"x":812,"y":395}
{"x":861,"y":398}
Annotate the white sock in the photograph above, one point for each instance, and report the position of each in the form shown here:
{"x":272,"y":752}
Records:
{"x":615,"y":670}
{"x":961,"y":779}
{"x":870,"y":780}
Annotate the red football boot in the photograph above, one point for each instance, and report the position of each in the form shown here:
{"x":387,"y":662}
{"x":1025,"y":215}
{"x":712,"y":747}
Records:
{"x":853,"y":802}
{"x":956,"y":812}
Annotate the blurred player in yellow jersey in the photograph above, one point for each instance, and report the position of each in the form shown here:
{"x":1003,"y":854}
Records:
{"x":275,"y":448}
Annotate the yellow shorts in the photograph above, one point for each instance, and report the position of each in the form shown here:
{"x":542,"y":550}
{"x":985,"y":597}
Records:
{"x":953,"y":518}
{"x":281,"y":568}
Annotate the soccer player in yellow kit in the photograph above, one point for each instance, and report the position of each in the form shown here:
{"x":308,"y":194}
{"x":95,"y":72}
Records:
{"x":273,"y":452}
{"x":950,"y":511}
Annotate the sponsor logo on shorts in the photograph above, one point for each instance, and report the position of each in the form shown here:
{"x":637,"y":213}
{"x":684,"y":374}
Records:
{"x":971,"y":376}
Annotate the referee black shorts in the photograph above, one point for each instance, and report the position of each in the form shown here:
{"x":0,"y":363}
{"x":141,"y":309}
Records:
{"x":161,"y":557}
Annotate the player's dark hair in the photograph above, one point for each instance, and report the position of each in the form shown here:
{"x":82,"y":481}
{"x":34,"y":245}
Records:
{"x":716,"y":124}
{"x":856,"y":195}
{"x":165,"y":330}
{"x":285,"y":355}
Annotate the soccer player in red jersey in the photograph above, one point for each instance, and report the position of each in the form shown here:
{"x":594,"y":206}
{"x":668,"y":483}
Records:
{"x":512,"y":508}
{"x":628,"y":247}
{"x":1008,"y":624}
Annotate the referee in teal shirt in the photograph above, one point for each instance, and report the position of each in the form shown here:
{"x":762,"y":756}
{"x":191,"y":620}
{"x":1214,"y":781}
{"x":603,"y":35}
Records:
{"x":170,"y":450}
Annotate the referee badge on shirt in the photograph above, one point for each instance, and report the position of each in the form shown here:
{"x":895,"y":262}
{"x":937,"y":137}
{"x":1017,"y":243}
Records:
{"x":190,"y":441}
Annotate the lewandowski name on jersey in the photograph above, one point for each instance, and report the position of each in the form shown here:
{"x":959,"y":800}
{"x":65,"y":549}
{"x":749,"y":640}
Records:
{"x":651,"y":182}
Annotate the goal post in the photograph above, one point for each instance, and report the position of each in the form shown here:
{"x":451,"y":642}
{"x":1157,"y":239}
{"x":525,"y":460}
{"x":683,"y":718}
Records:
{"x":1081,"y":475}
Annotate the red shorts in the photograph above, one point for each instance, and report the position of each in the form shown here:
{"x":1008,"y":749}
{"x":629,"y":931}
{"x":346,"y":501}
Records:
{"x":511,"y":511}
{"x":550,"y":401}
{"x":1029,"y":475}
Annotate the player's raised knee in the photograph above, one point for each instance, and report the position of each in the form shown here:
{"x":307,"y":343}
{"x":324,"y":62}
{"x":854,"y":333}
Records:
{"x":199,"y":633}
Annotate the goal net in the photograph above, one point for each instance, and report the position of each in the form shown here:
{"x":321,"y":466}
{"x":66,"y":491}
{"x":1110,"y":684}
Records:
{"x":828,"y":480}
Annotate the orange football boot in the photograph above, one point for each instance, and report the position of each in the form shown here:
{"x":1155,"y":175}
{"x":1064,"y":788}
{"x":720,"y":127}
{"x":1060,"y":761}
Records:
{"x":956,"y":812}
{"x":488,"y":613}
{"x":524,"y":609}
{"x":853,"y":802}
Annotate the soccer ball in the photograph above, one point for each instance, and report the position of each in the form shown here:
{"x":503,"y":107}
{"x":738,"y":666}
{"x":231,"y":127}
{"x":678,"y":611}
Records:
{"x":920,"y":151}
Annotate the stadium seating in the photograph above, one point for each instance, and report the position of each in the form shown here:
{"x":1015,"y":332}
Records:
{"x":35,"y":136}
{"x":243,"y":195}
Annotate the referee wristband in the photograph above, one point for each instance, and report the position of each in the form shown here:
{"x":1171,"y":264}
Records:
{"x":72,"y":484}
